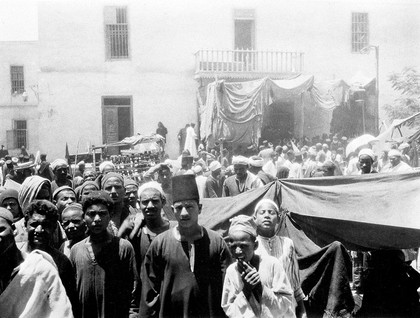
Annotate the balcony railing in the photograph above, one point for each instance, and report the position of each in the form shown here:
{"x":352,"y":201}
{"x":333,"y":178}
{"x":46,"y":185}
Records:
{"x":247,"y":63}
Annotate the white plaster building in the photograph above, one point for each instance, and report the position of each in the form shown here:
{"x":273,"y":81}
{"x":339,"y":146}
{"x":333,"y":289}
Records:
{"x":78,"y":93}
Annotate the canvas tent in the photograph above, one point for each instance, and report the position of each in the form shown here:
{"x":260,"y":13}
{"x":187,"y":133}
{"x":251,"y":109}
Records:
{"x":375,"y":211}
{"x":234,"y":110}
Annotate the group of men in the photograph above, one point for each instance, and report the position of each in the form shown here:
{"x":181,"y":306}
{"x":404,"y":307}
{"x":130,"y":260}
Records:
{"x":105,"y":246}
{"x":108,"y":249}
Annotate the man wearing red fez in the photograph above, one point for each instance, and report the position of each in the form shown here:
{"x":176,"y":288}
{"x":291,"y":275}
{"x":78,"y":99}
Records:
{"x":182,"y":274}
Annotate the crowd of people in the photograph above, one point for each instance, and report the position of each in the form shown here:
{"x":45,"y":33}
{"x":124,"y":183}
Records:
{"x":86,"y":243}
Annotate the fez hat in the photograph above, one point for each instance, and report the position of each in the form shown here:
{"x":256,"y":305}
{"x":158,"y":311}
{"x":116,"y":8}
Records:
{"x":184,"y":187}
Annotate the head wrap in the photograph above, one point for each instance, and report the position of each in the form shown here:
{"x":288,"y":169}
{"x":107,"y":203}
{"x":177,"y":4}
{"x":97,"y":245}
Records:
{"x":240,"y":160}
{"x":197,"y":169}
{"x":261,"y":202}
{"x":6,"y":215}
{"x":58,"y":163}
{"x":150,"y":185}
{"x":214,"y":165}
{"x":324,"y":146}
{"x":285,"y":148}
{"x":184,"y":187}
{"x":256,"y":161}
{"x":104,"y":164}
{"x":73,"y":206}
{"x":128,"y":182}
{"x":78,"y":180}
{"x":394,"y":153}
{"x":109,"y":175}
{"x":243,"y":223}
{"x":79,"y":189}
{"x":30,"y":189}
{"x":9,"y":194}
{"x":81,"y":163}
{"x":58,"y":190}
{"x":367,"y":152}
{"x":403,"y":146}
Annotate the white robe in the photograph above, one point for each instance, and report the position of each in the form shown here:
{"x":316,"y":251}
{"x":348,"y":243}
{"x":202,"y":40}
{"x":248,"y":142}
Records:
{"x":190,"y":142}
{"x":276,"y":300}
{"x":36,"y":290}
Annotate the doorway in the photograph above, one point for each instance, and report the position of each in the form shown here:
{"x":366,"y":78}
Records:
{"x":277,"y":122}
{"x":117,"y":120}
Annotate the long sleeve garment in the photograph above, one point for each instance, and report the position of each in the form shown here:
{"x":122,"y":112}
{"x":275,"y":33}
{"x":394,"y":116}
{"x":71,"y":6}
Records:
{"x":105,"y":278}
{"x":184,"y":280}
{"x":276,"y":301}
{"x":283,"y":249}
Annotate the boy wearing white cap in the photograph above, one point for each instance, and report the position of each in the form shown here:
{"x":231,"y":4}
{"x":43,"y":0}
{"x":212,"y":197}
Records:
{"x":255,"y":285}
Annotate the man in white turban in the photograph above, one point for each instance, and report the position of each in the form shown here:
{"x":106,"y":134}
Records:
{"x":396,"y":163}
{"x":242,"y":180}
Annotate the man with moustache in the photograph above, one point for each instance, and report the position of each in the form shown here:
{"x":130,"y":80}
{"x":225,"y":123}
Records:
{"x":182,"y":272}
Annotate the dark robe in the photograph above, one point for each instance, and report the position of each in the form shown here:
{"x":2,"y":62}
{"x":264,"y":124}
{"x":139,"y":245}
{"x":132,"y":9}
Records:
{"x":213,"y":188}
{"x":104,"y":280}
{"x":171,"y":289}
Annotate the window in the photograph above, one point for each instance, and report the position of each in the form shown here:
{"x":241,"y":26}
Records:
{"x":244,"y":29}
{"x":359,"y":31}
{"x":17,"y":137}
{"x":116,"y":33}
{"x":16,"y":79}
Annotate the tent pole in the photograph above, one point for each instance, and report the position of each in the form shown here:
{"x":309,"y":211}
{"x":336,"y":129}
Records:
{"x":303,"y":116}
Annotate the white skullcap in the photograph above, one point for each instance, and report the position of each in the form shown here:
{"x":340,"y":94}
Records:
{"x":261,"y":202}
{"x":367,"y":152}
{"x":285,"y":148}
{"x":197,"y":169}
{"x":214,"y":165}
{"x":58,"y":163}
{"x":256,"y":161}
{"x":150,"y":185}
{"x":394,"y":153}
{"x":240,"y":160}
{"x":403,"y":146}
{"x":104,"y":164}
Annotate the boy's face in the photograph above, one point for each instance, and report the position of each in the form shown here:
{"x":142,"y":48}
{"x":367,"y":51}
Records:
{"x":242,"y":246}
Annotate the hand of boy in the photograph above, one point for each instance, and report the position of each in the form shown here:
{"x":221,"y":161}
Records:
{"x":252,"y":280}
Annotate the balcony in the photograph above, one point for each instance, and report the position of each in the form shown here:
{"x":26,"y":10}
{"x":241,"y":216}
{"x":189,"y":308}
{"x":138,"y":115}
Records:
{"x":248,"y":64}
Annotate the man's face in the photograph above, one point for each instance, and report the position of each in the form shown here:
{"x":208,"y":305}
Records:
{"x":115,"y":188}
{"x":6,"y":235}
{"x":164,"y":175}
{"x":186,"y":213}
{"x":97,"y":218}
{"x":241,"y":245}
{"x":240,"y":171}
{"x":266,"y":218}
{"x":88,"y":189}
{"x":89,"y":176}
{"x":73,"y":223}
{"x":216,"y":173}
{"x":12,"y":205}
{"x":394,"y":160}
{"x":44,"y":193}
{"x":40,"y":230}
{"x":61,"y":172}
{"x":151,"y":204}
{"x":274,"y":156}
{"x":131,"y":194}
{"x":365,"y":163}
{"x":64,"y":198}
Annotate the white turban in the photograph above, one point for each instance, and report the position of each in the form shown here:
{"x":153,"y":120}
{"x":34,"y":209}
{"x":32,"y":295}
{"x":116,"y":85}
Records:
{"x":394,"y":153}
{"x":104,"y":164}
{"x":150,"y":185}
{"x":256,"y":161}
{"x":367,"y":152}
{"x":58,"y":163}
{"x":240,"y":160}
{"x":214,"y":165}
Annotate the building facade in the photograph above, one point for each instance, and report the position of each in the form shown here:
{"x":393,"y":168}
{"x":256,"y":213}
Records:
{"x":104,"y":70}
